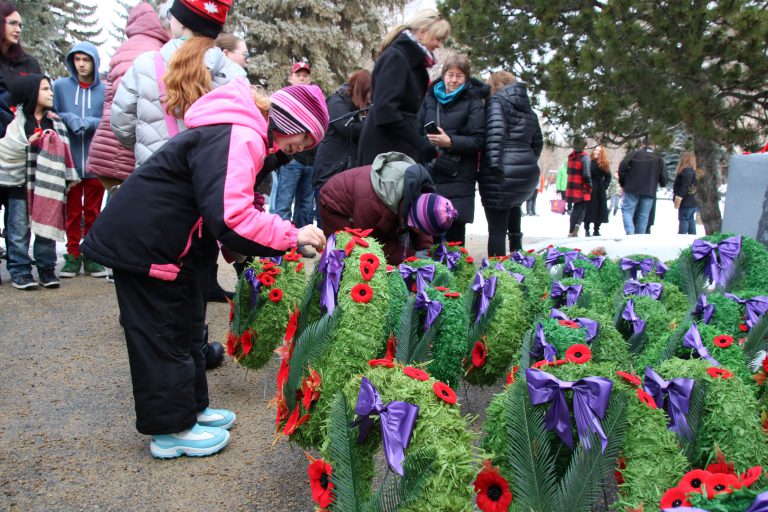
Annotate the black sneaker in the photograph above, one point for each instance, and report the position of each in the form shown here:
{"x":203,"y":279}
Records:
{"x":48,"y":278}
{"x":24,"y":282}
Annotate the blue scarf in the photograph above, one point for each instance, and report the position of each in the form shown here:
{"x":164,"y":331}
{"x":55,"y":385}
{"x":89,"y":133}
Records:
{"x":443,"y":97}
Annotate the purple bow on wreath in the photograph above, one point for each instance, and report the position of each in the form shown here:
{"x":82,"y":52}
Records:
{"x":692,"y":339}
{"x":561,"y":293}
{"x":487,"y":289}
{"x":754,"y":308}
{"x":760,"y":504}
{"x":591,"y":326}
{"x":541,"y":347}
{"x":652,"y":290}
{"x":553,"y":256}
{"x":250,"y":277}
{"x":423,"y":274}
{"x":638,"y":324}
{"x":573,"y":271}
{"x":331,"y":264}
{"x":703,"y":310}
{"x":590,"y":401}
{"x":519,"y":277}
{"x":633,"y":266}
{"x":449,"y":258}
{"x":397,"y":422}
{"x":522,"y":259}
{"x":720,"y":257}
{"x":432,"y":307}
{"x":597,"y":261}
{"x":678,"y":391}
{"x":661,"y":269}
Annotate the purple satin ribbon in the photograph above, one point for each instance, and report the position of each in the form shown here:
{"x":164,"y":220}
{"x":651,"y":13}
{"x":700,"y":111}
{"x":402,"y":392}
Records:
{"x":704,"y":311}
{"x":541,"y":347}
{"x":277,"y":260}
{"x":573,"y":271}
{"x":433,"y":308}
{"x":754,"y":308}
{"x":678,"y":391}
{"x":692,"y":339}
{"x":397,"y":422}
{"x":652,"y":290}
{"x":661,"y":269}
{"x":487,"y":289}
{"x":250,"y":276}
{"x":597,"y":261}
{"x":519,"y":277}
{"x":423,"y":274}
{"x":570,"y":293}
{"x":633,"y":266}
{"x":553,"y":256}
{"x":760,"y":504}
{"x":685,"y":509}
{"x":484,"y":263}
{"x":591,"y":326}
{"x":719,"y":257}
{"x":449,"y":258}
{"x":638,"y":324}
{"x":590,"y":401}
{"x":331,"y":264}
{"x":526,"y":261}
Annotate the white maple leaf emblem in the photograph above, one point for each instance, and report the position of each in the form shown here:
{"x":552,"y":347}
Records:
{"x":211,"y":7}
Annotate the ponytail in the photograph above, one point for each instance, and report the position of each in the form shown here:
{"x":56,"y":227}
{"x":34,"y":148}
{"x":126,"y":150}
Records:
{"x":187,"y":78}
{"x":428,"y":20}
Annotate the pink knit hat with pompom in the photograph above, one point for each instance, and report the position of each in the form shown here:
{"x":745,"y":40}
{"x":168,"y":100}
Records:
{"x":299,"y":109}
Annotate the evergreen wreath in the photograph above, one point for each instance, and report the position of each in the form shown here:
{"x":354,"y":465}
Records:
{"x":463,"y":266}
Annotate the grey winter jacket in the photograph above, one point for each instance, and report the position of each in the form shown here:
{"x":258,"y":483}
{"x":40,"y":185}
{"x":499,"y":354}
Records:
{"x":137,"y":116}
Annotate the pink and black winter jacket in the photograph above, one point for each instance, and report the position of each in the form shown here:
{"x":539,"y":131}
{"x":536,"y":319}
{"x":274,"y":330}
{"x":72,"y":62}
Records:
{"x":197,"y":188}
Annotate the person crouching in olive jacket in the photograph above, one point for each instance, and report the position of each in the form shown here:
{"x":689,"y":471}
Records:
{"x":510,"y":170}
{"x":455,"y":105}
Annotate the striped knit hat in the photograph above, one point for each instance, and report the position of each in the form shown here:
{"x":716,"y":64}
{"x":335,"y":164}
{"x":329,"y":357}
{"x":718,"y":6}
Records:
{"x":299,"y":109}
{"x":432,"y":214}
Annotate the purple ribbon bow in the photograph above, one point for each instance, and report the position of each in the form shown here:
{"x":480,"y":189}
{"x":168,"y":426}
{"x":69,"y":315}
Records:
{"x":397,"y":422}
{"x":449,"y":258}
{"x":553,"y":255}
{"x":652,"y":290}
{"x":597,"y":261}
{"x":760,"y":504}
{"x":487,"y":289}
{"x":277,"y":260}
{"x":541,"y":347}
{"x":573,"y":271}
{"x":703,"y":310}
{"x":331,"y":264}
{"x":526,"y":261}
{"x":433,"y":308}
{"x":692,"y":339}
{"x":678,"y":391}
{"x":633,"y":266}
{"x":484,"y":263}
{"x":560,"y":291}
{"x":726,"y":252}
{"x":638,"y":324}
{"x":250,"y":277}
{"x":519,"y":277}
{"x":661,"y":269}
{"x":754,"y":308}
{"x":590,"y":401}
{"x":591,"y":326}
{"x":423,"y":274}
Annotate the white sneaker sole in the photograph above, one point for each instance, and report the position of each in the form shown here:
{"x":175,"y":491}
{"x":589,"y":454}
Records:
{"x":100,"y":273}
{"x":67,"y":274}
{"x":24,"y":286}
{"x":178,"y":451}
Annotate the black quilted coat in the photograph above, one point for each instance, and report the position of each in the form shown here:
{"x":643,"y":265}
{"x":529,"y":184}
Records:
{"x":513,"y":143}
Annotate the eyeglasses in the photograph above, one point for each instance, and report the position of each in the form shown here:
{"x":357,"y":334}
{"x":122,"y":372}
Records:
{"x":246,"y":55}
{"x":14,"y":23}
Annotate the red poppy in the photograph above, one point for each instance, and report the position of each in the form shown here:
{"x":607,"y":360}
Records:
{"x":367,"y":270}
{"x":246,"y":341}
{"x":415,"y":373}
{"x":294,"y":421}
{"x":743,"y":327}
{"x":674,"y":498}
{"x":751,"y":476}
{"x":569,"y":323}
{"x":544,"y":362}
{"x":632,"y":379}
{"x":299,"y":267}
{"x":464,"y":250}
{"x":470,"y":259}
{"x":721,"y":483}
{"x":719,"y":373}
{"x":452,"y":295}
{"x":232,"y":341}
{"x":386,"y":363}
{"x":444,"y":392}
{"x":358,"y":231}
{"x":479,"y":353}
{"x":578,"y":353}
{"x":723,"y":341}
{"x":453,"y":244}
{"x":765,"y":364}
{"x":273,"y":271}
{"x":511,"y":375}
{"x":442,"y":289}
{"x":310,"y":389}
{"x":361,"y":293}
{"x":320,"y":483}
{"x":411,"y":259}
{"x":292,"y":257}
{"x":266,"y":279}
{"x":372,"y":259}
{"x":276,"y":295}
{"x":646,"y":398}
{"x":493,"y":494}
{"x":722,"y":465}
{"x":356,"y":240}
{"x":693,"y":480}
{"x":390,"y":268}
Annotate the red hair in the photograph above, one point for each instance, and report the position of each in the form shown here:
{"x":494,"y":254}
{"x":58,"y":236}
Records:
{"x":360,"y":87}
{"x":602,"y":160}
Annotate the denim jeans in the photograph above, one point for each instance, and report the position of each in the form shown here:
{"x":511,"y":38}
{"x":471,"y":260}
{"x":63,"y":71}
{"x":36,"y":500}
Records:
{"x":273,"y":194}
{"x":642,"y":204}
{"x":294,"y":187}
{"x":18,"y":236}
{"x":687,"y":218}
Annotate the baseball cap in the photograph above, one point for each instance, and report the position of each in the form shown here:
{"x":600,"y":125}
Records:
{"x":300,"y":65}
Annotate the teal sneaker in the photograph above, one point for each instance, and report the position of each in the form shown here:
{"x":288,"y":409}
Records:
{"x":71,"y":266}
{"x":221,"y":418}
{"x":198,"y":441}
{"x":93,"y":268}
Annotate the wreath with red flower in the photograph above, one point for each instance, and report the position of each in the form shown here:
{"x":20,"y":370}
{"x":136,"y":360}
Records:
{"x":645,"y":398}
{"x":415,"y":373}
{"x":723,"y":341}
{"x":444,"y":392}
{"x":385,"y":363}
{"x":362,"y":293}
{"x":292,"y":255}
{"x":493,"y":494}
{"x":719,"y":373}
{"x":578,"y":353}
{"x":275,"y":294}
{"x":369,"y":263}
{"x":320,"y":482}
{"x":633,"y":380}
{"x":266,"y":279}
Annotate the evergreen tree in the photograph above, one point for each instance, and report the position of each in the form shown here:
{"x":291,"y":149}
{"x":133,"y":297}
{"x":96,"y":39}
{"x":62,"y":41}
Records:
{"x":620,"y":69}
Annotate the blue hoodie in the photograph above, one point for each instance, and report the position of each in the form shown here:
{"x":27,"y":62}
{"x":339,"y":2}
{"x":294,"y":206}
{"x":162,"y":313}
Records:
{"x":80,"y":108}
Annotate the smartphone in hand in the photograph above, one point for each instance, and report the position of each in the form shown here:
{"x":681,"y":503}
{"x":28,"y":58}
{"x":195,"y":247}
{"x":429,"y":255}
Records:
{"x":431,"y":128}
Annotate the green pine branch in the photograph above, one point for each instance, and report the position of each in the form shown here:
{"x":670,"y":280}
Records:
{"x":692,"y":279}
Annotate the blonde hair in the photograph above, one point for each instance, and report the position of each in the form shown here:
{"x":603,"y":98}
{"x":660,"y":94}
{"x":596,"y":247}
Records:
{"x":429,"y":21}
{"x":261,"y":99}
{"x":500,"y":79}
{"x":187,"y":78}
{"x":687,"y":159}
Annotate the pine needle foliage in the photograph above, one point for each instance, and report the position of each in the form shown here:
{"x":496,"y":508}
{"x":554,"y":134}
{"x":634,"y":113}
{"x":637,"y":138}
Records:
{"x":396,"y":491}
{"x":309,"y":299}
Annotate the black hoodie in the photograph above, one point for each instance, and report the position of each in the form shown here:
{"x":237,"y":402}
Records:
{"x":24,"y":93}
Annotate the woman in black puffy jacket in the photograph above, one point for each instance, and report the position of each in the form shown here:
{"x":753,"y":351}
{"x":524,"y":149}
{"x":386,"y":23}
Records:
{"x":455,"y":105}
{"x":510,"y":171}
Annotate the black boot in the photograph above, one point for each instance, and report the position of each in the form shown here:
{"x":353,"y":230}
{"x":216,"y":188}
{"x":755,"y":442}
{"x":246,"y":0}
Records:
{"x":213,"y":352}
{"x":515,"y":241}
{"x":596,"y":232}
{"x":215,"y":292}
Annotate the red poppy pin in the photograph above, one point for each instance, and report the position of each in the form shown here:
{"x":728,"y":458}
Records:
{"x":320,"y":482}
{"x":493,"y":494}
{"x":578,"y":353}
{"x":361,"y":292}
{"x":674,"y":498}
{"x":415,"y":373}
{"x":719,"y":373}
{"x":444,"y":392}
{"x":275,"y":294}
{"x":723,"y":341}
{"x":386,"y":363}
{"x":479,"y":353}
